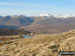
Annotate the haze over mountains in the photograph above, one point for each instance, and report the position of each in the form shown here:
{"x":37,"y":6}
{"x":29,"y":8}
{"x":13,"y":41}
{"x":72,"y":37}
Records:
{"x":44,"y":23}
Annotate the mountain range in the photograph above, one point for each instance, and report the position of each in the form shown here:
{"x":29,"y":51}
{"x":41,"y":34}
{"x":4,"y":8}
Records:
{"x":39,"y":24}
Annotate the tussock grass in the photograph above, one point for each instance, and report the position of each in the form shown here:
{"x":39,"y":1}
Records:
{"x":40,"y":45}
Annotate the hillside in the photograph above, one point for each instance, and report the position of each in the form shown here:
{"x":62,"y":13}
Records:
{"x":9,"y":32}
{"x":40,"y":45}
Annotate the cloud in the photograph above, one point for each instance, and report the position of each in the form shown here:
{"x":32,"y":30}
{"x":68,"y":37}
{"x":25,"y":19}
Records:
{"x":18,"y":4}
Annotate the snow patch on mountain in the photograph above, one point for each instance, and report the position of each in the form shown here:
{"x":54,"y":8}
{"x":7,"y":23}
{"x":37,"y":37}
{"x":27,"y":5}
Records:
{"x":45,"y":14}
{"x":64,"y":16}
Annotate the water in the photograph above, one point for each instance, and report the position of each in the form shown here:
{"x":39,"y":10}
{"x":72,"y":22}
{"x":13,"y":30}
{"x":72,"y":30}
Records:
{"x":27,"y":36}
{"x":0,"y":40}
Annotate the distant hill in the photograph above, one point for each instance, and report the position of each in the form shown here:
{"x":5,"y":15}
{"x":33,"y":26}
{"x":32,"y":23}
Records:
{"x":38,"y":24}
{"x":9,"y":32}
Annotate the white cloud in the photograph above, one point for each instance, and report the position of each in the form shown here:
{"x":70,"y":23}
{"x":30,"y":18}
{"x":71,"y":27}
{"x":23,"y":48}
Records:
{"x":18,"y":4}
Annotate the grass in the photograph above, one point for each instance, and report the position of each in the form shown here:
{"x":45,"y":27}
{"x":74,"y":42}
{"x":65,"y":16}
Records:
{"x":40,"y":45}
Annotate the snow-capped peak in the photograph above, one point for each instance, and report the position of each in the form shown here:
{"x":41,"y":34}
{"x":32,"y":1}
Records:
{"x":45,"y":14}
{"x":65,"y":16}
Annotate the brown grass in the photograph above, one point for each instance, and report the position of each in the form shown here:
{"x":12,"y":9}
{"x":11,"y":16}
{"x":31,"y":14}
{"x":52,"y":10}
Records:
{"x":40,"y":45}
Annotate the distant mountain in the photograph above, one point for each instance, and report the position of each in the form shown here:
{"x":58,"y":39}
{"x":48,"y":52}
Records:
{"x":39,"y":24}
{"x":16,"y":20}
{"x":51,"y":25}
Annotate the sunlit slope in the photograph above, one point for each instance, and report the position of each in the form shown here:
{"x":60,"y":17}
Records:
{"x":40,"y":45}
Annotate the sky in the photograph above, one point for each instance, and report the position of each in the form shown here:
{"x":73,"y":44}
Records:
{"x":37,"y":7}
